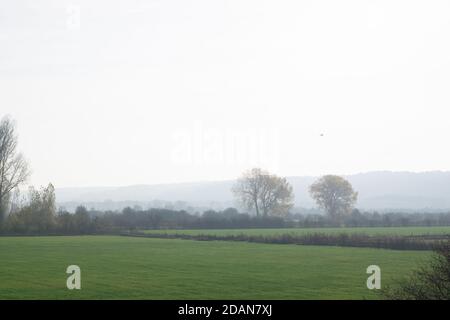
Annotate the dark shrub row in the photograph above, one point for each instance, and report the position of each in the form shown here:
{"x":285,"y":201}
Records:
{"x":41,"y":217}
{"x":320,"y":239}
{"x":359,"y":218}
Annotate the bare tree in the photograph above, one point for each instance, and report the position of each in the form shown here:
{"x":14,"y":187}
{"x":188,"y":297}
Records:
{"x":430,"y":282}
{"x":263,"y":192}
{"x":13,"y":167}
{"x":334,"y":194}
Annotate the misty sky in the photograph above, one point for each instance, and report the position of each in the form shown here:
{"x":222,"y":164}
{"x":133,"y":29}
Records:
{"x":130,"y":92}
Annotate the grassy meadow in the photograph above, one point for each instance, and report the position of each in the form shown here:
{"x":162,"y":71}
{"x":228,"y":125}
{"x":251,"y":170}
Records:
{"x":378,"y":231}
{"x":114,"y":267}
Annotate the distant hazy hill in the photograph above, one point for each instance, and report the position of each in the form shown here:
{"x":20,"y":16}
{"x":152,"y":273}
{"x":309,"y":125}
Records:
{"x":377,"y":190}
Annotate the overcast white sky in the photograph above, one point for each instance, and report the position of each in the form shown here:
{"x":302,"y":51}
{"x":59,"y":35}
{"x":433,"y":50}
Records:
{"x":130,"y":92}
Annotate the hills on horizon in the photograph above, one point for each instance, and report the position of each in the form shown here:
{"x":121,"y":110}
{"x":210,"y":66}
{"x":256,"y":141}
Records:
{"x":378,"y":190}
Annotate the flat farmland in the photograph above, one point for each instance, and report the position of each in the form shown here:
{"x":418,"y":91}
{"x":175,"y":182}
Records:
{"x":114,"y":267}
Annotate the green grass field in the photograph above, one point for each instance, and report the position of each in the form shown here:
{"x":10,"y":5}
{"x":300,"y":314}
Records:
{"x":114,"y":267}
{"x":403,"y":231}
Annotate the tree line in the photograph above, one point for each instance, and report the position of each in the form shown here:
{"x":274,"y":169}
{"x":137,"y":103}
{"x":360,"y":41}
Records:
{"x":38,"y":215}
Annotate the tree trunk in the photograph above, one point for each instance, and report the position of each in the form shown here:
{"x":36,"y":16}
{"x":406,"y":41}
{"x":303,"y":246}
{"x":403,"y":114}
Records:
{"x":2,"y":213}
{"x":256,"y":207}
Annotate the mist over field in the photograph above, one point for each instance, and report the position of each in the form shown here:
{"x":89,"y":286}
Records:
{"x":402,"y":191}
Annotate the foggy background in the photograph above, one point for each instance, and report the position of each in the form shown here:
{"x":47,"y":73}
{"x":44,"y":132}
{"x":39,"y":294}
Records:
{"x":117,"y":93}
